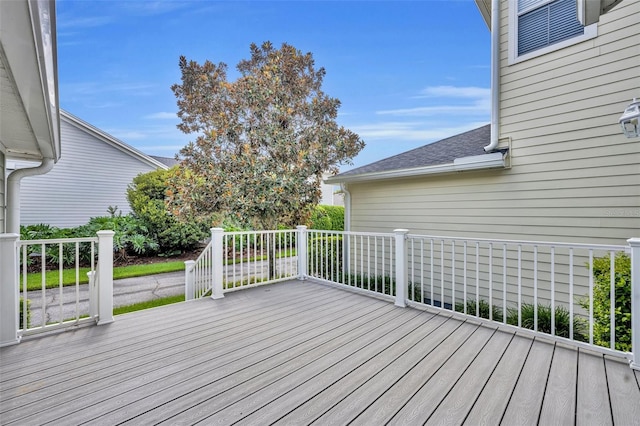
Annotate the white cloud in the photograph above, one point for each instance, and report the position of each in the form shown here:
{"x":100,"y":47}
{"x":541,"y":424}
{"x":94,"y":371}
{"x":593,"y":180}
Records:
{"x":161,"y":116}
{"x":447,"y":101}
{"x":412,"y":131}
{"x":455,"y":92}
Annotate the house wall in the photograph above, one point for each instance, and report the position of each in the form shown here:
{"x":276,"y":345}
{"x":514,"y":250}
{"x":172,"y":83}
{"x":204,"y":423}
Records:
{"x":574,"y":176}
{"x":90,"y":176}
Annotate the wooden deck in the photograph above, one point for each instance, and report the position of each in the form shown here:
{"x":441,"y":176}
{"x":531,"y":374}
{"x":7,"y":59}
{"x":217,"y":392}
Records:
{"x":299,"y":353}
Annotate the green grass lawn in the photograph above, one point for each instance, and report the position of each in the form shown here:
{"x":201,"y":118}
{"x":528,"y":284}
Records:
{"x":52,"y":278}
{"x":148,"y":304}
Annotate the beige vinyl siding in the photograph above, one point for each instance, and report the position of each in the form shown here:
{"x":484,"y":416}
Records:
{"x":3,"y":189}
{"x":90,"y":176}
{"x":574,"y":175}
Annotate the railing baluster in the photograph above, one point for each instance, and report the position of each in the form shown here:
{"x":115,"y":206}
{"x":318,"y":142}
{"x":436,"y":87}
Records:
{"x":491,"y":281}
{"x":571,"y":293}
{"x":535,"y":288}
{"x":553,"y":292}
{"x":504,"y":283}
{"x":464,"y":277}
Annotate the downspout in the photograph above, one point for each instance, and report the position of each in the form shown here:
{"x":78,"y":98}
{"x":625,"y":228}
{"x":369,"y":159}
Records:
{"x":13,"y":192}
{"x":495,"y":75}
{"x":347,"y":206}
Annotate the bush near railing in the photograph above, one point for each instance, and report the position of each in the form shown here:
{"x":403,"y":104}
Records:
{"x":325,"y":257}
{"x":21,"y":315}
{"x":327,"y":218}
{"x":602,"y":301}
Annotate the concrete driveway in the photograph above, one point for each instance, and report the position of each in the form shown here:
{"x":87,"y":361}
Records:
{"x":125,"y":292}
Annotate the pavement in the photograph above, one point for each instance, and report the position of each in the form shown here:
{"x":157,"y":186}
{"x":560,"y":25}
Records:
{"x":125,"y":292}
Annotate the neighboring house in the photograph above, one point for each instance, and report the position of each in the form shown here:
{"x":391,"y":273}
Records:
{"x":92,"y":175}
{"x":558,"y":166}
{"x":331,"y":194}
{"x":29,"y":121}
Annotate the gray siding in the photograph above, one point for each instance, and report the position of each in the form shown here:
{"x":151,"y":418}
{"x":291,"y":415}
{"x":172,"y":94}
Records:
{"x":574,"y":175}
{"x":3,"y":201}
{"x":90,"y":176}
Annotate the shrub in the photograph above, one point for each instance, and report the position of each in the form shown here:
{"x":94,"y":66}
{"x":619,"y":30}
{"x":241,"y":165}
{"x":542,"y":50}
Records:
{"x":20,"y":326}
{"x":329,"y":218}
{"x":602,"y":301}
{"x":325,"y":257}
{"x":146,"y":195}
{"x":562,"y":320}
{"x":483,"y":309}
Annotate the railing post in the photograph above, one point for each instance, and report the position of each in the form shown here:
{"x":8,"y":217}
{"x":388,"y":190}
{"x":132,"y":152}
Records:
{"x":635,"y":302}
{"x":9,"y":291}
{"x":217,"y":238}
{"x":301,"y":251}
{"x":105,"y":277}
{"x":401,"y":267}
{"x":189,"y":289}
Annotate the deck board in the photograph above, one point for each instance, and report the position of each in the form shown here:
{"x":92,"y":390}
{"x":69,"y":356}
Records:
{"x":560,"y":399}
{"x":300,"y":353}
{"x":624,"y":392}
{"x":593,"y":394}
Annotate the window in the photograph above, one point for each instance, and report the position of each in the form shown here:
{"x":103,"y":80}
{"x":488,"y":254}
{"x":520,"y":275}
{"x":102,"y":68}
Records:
{"x":542,"y":26}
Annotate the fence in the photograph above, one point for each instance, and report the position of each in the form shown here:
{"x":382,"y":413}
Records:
{"x":238,"y":260}
{"x":42,"y":284}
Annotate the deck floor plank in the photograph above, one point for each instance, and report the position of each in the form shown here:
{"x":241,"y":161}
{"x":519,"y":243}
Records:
{"x":341,"y":401}
{"x":455,"y":407}
{"x":319,"y":396}
{"x":185,"y":371}
{"x":385,"y":407}
{"x":302,"y":352}
{"x":266,"y":367}
{"x":559,"y":405}
{"x":494,"y":397}
{"x":592,"y":399}
{"x":624,"y":392}
{"x":181,"y":357}
{"x":426,"y":399}
{"x":269,"y":402}
{"x":526,"y":400}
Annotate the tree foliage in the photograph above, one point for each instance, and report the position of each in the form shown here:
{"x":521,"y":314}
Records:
{"x":146,"y":196}
{"x":263,"y":140}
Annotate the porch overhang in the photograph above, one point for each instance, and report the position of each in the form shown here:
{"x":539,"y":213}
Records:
{"x":29,"y":110}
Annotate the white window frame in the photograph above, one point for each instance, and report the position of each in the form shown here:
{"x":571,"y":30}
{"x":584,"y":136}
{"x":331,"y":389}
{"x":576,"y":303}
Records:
{"x":590,"y":31}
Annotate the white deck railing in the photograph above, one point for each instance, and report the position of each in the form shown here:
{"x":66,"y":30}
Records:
{"x":546,"y":287}
{"x":52,"y":303}
{"x":358,"y":260}
{"x":238,"y":260}
{"x":568,"y":292}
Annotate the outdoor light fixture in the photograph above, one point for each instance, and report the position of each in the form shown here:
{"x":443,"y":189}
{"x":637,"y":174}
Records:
{"x":629,"y":120}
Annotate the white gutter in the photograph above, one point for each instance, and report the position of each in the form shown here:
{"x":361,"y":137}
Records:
{"x":495,"y":75}
{"x":13,"y":192}
{"x":347,"y":206}
{"x":476,"y":162}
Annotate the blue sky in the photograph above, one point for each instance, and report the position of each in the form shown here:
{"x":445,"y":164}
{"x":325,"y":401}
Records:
{"x":407,"y":72}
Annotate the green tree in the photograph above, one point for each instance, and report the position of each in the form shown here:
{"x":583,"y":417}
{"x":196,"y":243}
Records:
{"x":146,"y":196}
{"x":263,"y":140}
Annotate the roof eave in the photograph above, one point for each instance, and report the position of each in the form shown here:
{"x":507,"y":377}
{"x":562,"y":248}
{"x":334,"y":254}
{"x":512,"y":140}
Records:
{"x":484,"y":6}
{"x":29,"y":49}
{"x":105,"y":137}
{"x":494,"y":160}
